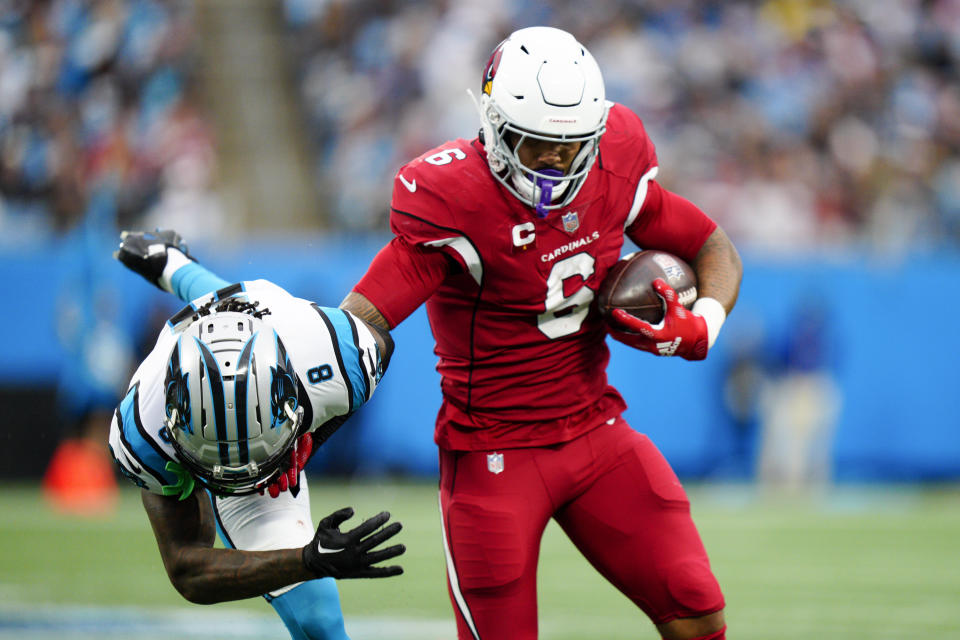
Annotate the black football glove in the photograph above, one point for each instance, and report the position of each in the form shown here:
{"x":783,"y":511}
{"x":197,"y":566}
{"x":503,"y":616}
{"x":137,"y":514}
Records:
{"x":349,"y":555}
{"x":145,"y":252}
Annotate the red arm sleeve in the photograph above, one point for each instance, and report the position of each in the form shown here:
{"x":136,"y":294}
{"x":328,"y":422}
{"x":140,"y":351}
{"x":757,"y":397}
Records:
{"x":671,"y":223}
{"x":401,"y":278}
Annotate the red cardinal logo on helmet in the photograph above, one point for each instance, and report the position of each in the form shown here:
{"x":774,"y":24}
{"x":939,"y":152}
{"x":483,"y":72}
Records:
{"x":490,"y":70}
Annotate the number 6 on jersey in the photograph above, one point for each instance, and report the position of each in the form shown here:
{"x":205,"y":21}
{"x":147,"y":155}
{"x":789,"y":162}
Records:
{"x":563,"y":315}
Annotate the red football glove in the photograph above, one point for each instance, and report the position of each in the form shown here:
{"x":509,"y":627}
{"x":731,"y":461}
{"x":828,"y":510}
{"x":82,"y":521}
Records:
{"x":299,"y":455}
{"x":680,"y":333}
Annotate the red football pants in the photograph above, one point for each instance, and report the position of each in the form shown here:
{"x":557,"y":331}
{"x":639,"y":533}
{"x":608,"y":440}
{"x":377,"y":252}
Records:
{"x":615,"y":496}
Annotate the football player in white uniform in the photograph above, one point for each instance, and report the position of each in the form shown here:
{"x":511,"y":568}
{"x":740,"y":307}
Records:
{"x":218,"y":423}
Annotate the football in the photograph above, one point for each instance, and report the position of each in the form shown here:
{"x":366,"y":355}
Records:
{"x":629,"y":285}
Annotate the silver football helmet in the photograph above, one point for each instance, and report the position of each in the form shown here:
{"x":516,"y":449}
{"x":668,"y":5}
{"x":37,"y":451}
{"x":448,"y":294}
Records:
{"x":232,"y":404}
{"x":541,"y":83}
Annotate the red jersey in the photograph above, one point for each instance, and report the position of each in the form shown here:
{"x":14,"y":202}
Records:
{"x":521,"y":346}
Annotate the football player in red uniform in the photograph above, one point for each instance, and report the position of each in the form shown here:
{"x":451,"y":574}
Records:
{"x":507,"y":237}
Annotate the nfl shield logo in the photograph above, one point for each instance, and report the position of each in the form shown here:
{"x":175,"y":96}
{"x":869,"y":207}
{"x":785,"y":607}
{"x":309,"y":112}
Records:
{"x":571,"y":221}
{"x":495,"y":462}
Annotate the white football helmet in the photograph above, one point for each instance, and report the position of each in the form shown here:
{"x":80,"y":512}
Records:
{"x":541,"y":83}
{"x":232,"y":404}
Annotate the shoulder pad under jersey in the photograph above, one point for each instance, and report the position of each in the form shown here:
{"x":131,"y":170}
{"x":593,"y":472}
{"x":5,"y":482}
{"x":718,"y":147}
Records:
{"x":625,"y":148}
{"x":434,"y":192}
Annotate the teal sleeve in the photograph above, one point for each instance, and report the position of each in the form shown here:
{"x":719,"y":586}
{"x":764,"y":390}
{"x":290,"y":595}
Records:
{"x":191,"y":281}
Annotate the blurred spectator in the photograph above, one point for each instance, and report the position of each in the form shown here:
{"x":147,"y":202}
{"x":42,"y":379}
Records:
{"x":100,"y":355}
{"x":800,"y":402}
{"x":814,"y":123}
{"x":745,"y":378}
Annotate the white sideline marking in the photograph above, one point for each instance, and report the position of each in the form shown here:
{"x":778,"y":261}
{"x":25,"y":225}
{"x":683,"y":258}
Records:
{"x":49,"y":622}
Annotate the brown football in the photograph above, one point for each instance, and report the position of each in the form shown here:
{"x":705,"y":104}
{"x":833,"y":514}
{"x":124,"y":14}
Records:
{"x":629,"y":284}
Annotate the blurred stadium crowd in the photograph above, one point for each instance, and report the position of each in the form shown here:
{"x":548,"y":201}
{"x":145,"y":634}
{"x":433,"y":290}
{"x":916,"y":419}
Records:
{"x":95,"y":98}
{"x":798,"y":124}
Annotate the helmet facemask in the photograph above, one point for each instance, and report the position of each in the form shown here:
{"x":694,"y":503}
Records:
{"x":225,"y":480}
{"x":544,"y":189}
{"x":232,"y":405}
{"x":541,"y":84}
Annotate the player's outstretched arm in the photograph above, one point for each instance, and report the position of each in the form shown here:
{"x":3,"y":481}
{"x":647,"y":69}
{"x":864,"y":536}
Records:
{"x":163,"y":259}
{"x":358,"y":305}
{"x":185,"y":532}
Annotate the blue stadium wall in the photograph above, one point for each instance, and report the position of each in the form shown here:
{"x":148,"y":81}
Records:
{"x":891,"y":343}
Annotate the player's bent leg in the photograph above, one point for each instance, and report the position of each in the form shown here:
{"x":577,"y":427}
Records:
{"x":310,"y":610}
{"x":708,"y":627}
{"x":633,"y":524}
{"x":492,"y":516}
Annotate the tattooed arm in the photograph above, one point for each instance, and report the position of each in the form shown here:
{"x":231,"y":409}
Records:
{"x":358,"y":305}
{"x":400,"y":278}
{"x":719,"y":270}
{"x":185,"y":532}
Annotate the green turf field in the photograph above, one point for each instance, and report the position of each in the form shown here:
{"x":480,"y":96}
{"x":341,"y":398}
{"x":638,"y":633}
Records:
{"x":855,"y":563}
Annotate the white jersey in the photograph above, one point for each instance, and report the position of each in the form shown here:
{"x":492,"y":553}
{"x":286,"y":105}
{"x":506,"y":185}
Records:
{"x":335,"y":356}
